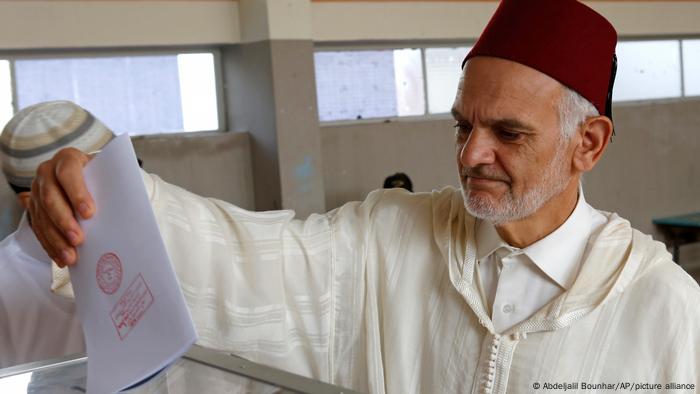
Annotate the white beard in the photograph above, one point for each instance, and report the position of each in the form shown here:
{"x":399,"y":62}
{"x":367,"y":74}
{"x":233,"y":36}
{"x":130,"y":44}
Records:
{"x":511,"y":208}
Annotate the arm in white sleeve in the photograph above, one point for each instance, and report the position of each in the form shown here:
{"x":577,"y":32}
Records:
{"x":309,"y":296}
{"x":284,"y":292}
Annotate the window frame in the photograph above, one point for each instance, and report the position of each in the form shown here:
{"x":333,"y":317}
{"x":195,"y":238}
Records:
{"x":14,"y":55}
{"x":682,"y":95}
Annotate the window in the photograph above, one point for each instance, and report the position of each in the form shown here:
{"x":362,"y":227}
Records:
{"x":369,"y":84}
{"x":197,"y":79}
{"x":138,"y":94}
{"x":386,"y":83}
{"x":408,"y":73}
{"x":648,"y":70}
{"x":5,"y":93}
{"x":360,"y":84}
{"x":691,"y":67}
{"x":443,"y":67}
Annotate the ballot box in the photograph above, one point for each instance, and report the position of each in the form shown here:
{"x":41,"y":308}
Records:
{"x":199,"y":371}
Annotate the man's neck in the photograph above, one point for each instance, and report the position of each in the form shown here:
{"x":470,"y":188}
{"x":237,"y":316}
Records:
{"x":549,"y":217}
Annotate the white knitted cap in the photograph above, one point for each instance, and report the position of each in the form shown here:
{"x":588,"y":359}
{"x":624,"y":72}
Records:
{"x":36,"y":133}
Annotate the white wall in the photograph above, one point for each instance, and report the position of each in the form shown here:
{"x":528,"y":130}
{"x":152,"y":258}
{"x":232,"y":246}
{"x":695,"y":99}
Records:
{"x":90,"y":23}
{"x":36,"y":24}
{"x":445,"y":20}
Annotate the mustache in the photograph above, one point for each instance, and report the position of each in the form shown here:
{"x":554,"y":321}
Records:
{"x":485,"y":172}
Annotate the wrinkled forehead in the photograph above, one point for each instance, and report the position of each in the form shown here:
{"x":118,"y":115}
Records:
{"x":498,"y":85}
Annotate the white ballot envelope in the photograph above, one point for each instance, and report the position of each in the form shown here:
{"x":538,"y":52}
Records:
{"x":133,"y":313}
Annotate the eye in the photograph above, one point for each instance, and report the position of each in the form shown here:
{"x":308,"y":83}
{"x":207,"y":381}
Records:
{"x":508,"y":135}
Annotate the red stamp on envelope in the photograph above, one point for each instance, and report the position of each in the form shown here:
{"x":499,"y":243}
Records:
{"x":109,"y":273}
{"x":131,"y":307}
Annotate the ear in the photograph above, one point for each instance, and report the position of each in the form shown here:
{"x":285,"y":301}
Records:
{"x":595,"y":135}
{"x":24,"y":199}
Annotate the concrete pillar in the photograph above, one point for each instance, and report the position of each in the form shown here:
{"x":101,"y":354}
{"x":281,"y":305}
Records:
{"x":270,"y":92}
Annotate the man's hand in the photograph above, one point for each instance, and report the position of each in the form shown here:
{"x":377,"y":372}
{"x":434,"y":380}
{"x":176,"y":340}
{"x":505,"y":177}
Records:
{"x":57,"y":192}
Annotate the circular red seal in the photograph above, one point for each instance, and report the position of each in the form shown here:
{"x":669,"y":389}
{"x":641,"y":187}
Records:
{"x":109,"y":273}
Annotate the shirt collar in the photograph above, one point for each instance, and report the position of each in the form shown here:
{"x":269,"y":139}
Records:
{"x":487,"y":240}
{"x":558,"y":254}
{"x":28,"y":243}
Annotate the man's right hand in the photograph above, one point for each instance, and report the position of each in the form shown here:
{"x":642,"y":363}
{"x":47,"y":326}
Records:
{"x":59,"y":194}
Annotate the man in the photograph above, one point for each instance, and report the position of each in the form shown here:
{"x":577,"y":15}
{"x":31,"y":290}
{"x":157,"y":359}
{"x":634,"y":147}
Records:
{"x":36,"y":324}
{"x":398,"y":180}
{"x":514,"y":284}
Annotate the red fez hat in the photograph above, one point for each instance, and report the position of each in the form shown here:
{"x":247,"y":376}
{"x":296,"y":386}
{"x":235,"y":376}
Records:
{"x":564,"y":39}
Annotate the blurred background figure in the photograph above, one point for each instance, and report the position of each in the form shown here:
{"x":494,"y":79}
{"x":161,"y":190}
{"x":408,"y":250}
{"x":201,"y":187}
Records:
{"x":399,"y":180}
{"x":36,"y":324}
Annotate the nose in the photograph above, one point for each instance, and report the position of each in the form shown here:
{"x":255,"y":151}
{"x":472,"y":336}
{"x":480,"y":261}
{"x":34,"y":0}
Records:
{"x":479,"y":149}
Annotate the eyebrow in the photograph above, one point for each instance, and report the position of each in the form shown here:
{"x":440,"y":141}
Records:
{"x":511,"y":123}
{"x":508,"y":123}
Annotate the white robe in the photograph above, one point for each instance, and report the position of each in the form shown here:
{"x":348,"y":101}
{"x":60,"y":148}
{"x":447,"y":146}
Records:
{"x":379,"y":296}
{"x":35,"y":324}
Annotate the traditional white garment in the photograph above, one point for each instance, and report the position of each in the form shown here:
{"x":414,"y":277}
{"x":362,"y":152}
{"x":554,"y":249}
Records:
{"x":380,"y":296}
{"x":34,"y":323}
{"x":517,"y":282}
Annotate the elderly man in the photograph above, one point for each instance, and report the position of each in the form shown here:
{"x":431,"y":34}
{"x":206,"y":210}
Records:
{"x":513,"y":284}
{"x":36,"y":324}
